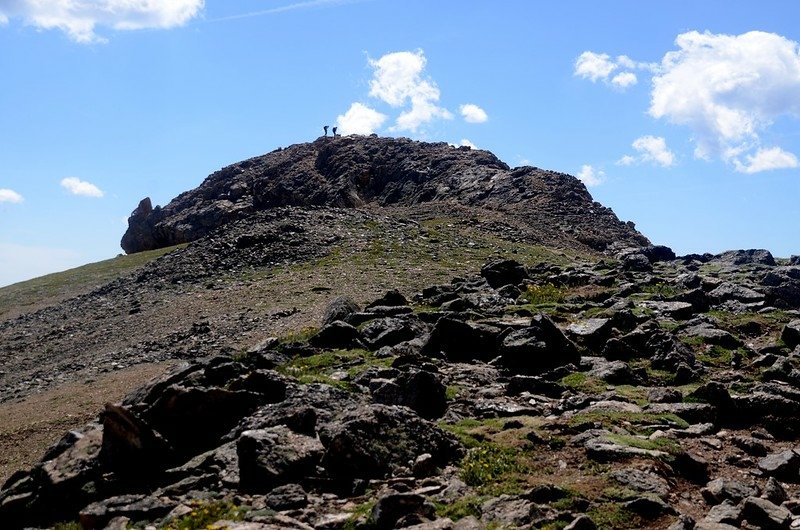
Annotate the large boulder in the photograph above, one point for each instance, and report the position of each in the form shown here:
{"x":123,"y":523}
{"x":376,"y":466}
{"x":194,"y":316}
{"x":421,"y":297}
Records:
{"x":460,"y":341}
{"x":370,"y":441}
{"x":537,"y":348}
{"x":504,"y":272}
{"x":791,"y":334}
{"x":274,"y":456}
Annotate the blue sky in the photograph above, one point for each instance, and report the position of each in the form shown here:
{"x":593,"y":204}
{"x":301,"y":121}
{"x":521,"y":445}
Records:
{"x":681,"y":116}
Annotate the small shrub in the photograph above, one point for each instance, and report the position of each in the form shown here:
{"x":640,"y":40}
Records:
{"x":581,"y":382}
{"x":544,"y":294}
{"x":68,"y":526}
{"x":460,"y":508}
{"x":488,"y":463}
{"x":204,"y":514}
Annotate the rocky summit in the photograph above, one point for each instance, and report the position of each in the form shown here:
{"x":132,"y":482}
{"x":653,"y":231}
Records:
{"x":356,"y":171}
{"x":418,"y":355}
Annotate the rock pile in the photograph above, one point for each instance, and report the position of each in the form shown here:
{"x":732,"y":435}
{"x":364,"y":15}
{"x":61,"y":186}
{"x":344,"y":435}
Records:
{"x":647,"y":391}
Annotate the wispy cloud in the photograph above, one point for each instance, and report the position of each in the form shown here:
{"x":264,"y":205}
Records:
{"x":309,"y":4}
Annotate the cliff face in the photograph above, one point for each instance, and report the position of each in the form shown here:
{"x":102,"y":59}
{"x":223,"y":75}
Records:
{"x":358,"y":171}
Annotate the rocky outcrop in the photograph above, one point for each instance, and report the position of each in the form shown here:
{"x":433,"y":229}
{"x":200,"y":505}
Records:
{"x":356,"y":171}
{"x":560,"y":396}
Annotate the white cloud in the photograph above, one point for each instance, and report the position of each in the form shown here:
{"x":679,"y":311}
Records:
{"x":654,"y":149}
{"x":594,"y":66}
{"x":79,"y":18}
{"x":624,"y":79}
{"x":591,"y":177}
{"x":766,"y":160}
{"x":359,"y":119}
{"x":77,"y":186}
{"x":397,"y":80}
{"x":473,"y":113}
{"x":7,"y":195}
{"x":728,"y":89}
{"x":626,"y":160}
{"x":465,"y":143}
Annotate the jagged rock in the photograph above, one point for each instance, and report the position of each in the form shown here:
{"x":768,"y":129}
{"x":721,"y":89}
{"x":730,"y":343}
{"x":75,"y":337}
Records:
{"x":656,"y":253}
{"x":774,"y":491}
{"x":392,"y":507}
{"x":130,"y":446}
{"x":725,"y":513}
{"x":791,"y":334}
{"x":664,"y":395}
{"x":535,"y":385}
{"x":536,"y":349}
{"x":614,"y":372}
{"x":268,"y":384}
{"x":391,"y":298}
{"x":676,"y":310}
{"x":339,"y":309}
{"x":369,"y":441}
{"x":274,"y":456}
{"x":642,"y":481}
{"x":636,"y":262}
{"x":462,"y":341}
{"x":685,"y":522}
{"x":287,"y":497}
{"x":137,"y":507}
{"x":193,"y":419}
{"x":508,"y":511}
{"x":592,"y":332}
{"x":721,"y":489}
{"x":783,"y":465}
{"x":336,"y":335}
{"x":391,"y":331}
{"x":419,"y":390}
{"x":766,"y":515}
{"x":691,"y":412}
{"x":732,"y":291}
{"x":749,"y":256}
{"x":712,"y":335}
{"x":581,"y":522}
{"x":504,"y":272}
{"x":649,"y":507}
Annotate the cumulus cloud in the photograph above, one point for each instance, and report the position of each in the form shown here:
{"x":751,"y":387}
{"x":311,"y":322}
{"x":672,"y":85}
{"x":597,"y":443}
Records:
{"x":590,"y":176}
{"x":359,"y":119}
{"x":77,"y":186}
{"x":654,"y":149}
{"x":624,"y":79}
{"x":79,"y":18}
{"x":7,"y":195}
{"x":398,"y":80}
{"x":599,"y":67}
{"x":594,"y":66}
{"x":626,"y":160}
{"x":728,"y":89}
{"x":766,"y":160}
{"x":473,"y":113}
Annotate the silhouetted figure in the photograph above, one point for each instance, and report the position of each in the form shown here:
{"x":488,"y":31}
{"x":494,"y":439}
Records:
{"x":326,"y":130}
{"x":334,"y":132}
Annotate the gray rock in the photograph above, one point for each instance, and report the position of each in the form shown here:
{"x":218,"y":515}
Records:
{"x":724,"y":513}
{"x":537,"y":348}
{"x":774,"y":492}
{"x":460,"y":341}
{"x":392,"y":507}
{"x":691,"y":412}
{"x":791,"y":334}
{"x":649,"y":507}
{"x":732,"y":291}
{"x":722,"y":489}
{"x":783,"y":465}
{"x":664,"y":395}
{"x":591,"y":332}
{"x":287,"y":497}
{"x":136,"y":507}
{"x":581,"y":522}
{"x":642,"y":481}
{"x":337,"y":334}
{"x":274,"y":456}
{"x":504,"y":272}
{"x":614,"y":372}
{"x":766,"y":515}
{"x":508,"y":510}
{"x":339,"y":309}
{"x":419,"y":390}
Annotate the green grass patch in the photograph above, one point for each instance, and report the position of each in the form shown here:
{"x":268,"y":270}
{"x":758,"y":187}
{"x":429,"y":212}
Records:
{"x":68,"y":525}
{"x":581,"y":382}
{"x":659,"y":444}
{"x":636,"y":421}
{"x":661,"y":290}
{"x":458,"y":509}
{"x":302,"y":335}
{"x":362,"y":511}
{"x":614,"y":516}
{"x":321,"y":367}
{"x":204,"y":514}
{"x":451,"y":392}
